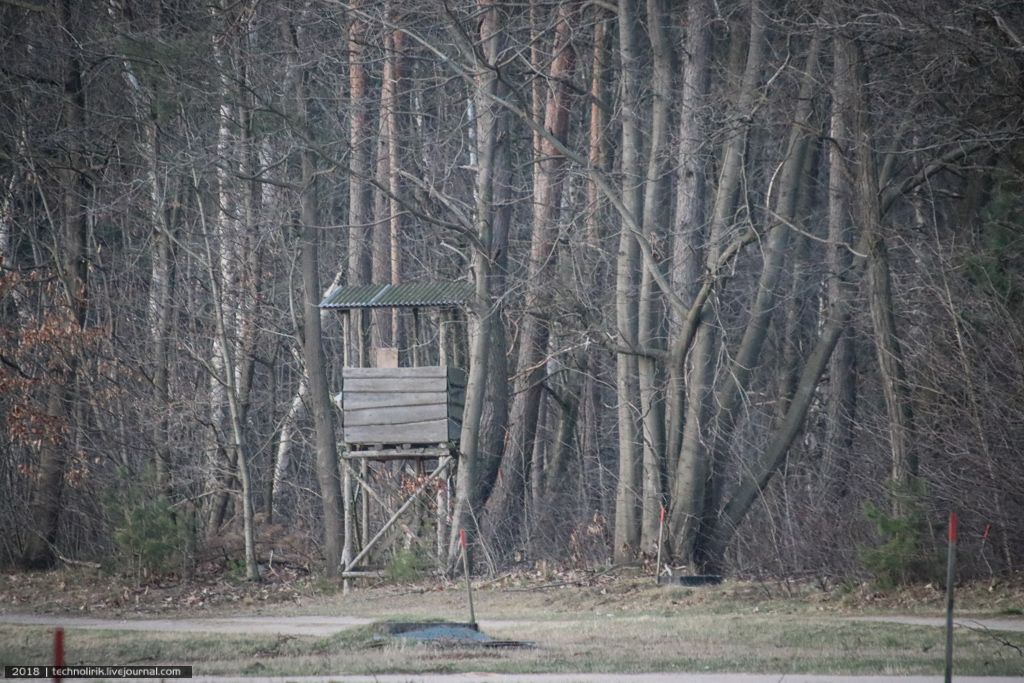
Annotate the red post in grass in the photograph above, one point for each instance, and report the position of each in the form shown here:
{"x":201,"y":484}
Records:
{"x":58,"y":650}
{"x":661,"y":531}
{"x":950,"y":580}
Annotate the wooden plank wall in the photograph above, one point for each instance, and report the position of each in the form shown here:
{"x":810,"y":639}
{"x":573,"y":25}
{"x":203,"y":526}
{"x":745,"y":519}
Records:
{"x":403,"y":405}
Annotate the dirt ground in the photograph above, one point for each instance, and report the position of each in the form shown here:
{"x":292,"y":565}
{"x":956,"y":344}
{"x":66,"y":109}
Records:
{"x":86,"y":591}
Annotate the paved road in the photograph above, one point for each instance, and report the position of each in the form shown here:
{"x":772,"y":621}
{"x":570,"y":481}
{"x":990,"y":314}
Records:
{"x":325,"y":626}
{"x":1014,"y":625}
{"x":292,"y":626}
{"x":597,"y":678}
{"x":263,"y":625}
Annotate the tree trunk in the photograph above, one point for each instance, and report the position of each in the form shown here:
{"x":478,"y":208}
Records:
{"x":316,"y":376}
{"x":556,"y":483}
{"x":891,"y":369}
{"x":883,"y":322}
{"x":794,"y":325}
{"x":842,"y":381}
{"x":690,"y":487}
{"x":505,"y":508}
{"x":649,"y":316}
{"x":358,"y":188}
{"x":381,"y":332}
{"x":596,"y":234}
{"x":391,"y":95}
{"x":758,"y":474}
{"x":282,"y":457}
{"x":489,"y":128}
{"x":626,"y":541}
{"x":690,"y":231}
{"x":225,"y":374}
{"x":226,"y":251}
{"x":327,"y":473}
{"x":746,"y":358}
{"x":494,"y":424}
{"x":249,"y":251}
{"x":45,"y":504}
{"x":756,"y":477}
{"x":595,"y":150}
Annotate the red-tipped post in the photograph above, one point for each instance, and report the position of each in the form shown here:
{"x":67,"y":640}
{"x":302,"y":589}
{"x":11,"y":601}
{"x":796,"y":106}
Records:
{"x":950,"y":580}
{"x":58,"y":650}
{"x":661,"y":532}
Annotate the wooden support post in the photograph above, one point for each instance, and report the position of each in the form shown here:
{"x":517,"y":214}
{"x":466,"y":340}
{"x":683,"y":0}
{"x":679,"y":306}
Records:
{"x":350,"y":525}
{"x":414,"y":339}
{"x":442,"y":340}
{"x":419,"y":511}
{"x":364,"y":484}
{"x":364,"y":517}
{"x":442,"y":522}
{"x":398,"y":513}
{"x":347,"y":351}
{"x":465,"y":570}
{"x":950,"y":581}
{"x":376,"y":497}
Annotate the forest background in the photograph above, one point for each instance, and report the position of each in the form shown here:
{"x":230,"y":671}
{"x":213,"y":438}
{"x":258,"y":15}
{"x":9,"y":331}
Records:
{"x":758,"y":262}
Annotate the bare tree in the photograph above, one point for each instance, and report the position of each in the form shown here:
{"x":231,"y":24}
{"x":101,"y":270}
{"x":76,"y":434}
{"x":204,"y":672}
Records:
{"x":627,"y":497}
{"x":691,"y":493}
{"x":73,"y":275}
{"x":488,"y":130}
{"x":508,"y":501}
{"x":312,"y":338}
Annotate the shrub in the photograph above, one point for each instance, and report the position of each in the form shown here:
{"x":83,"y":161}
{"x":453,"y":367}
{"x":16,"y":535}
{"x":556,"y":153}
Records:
{"x":407,"y":565}
{"x":903,"y":557}
{"x":147,"y":533}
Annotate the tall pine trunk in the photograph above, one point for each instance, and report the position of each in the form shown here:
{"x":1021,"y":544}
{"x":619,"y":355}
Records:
{"x":505,"y":509}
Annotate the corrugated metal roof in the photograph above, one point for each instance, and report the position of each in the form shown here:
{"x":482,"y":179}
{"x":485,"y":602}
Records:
{"x":420,"y":294}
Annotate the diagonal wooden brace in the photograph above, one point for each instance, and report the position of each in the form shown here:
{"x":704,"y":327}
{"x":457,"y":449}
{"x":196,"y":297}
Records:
{"x":441,"y":466}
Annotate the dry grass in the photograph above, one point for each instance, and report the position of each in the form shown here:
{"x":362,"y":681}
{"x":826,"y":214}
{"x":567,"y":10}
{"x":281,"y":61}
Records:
{"x":581,"y":623}
{"x":630,"y":643}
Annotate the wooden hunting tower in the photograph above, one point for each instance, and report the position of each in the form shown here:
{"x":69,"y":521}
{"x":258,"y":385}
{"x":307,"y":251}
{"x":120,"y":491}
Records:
{"x":411,"y":414}
{"x":388,"y":408}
